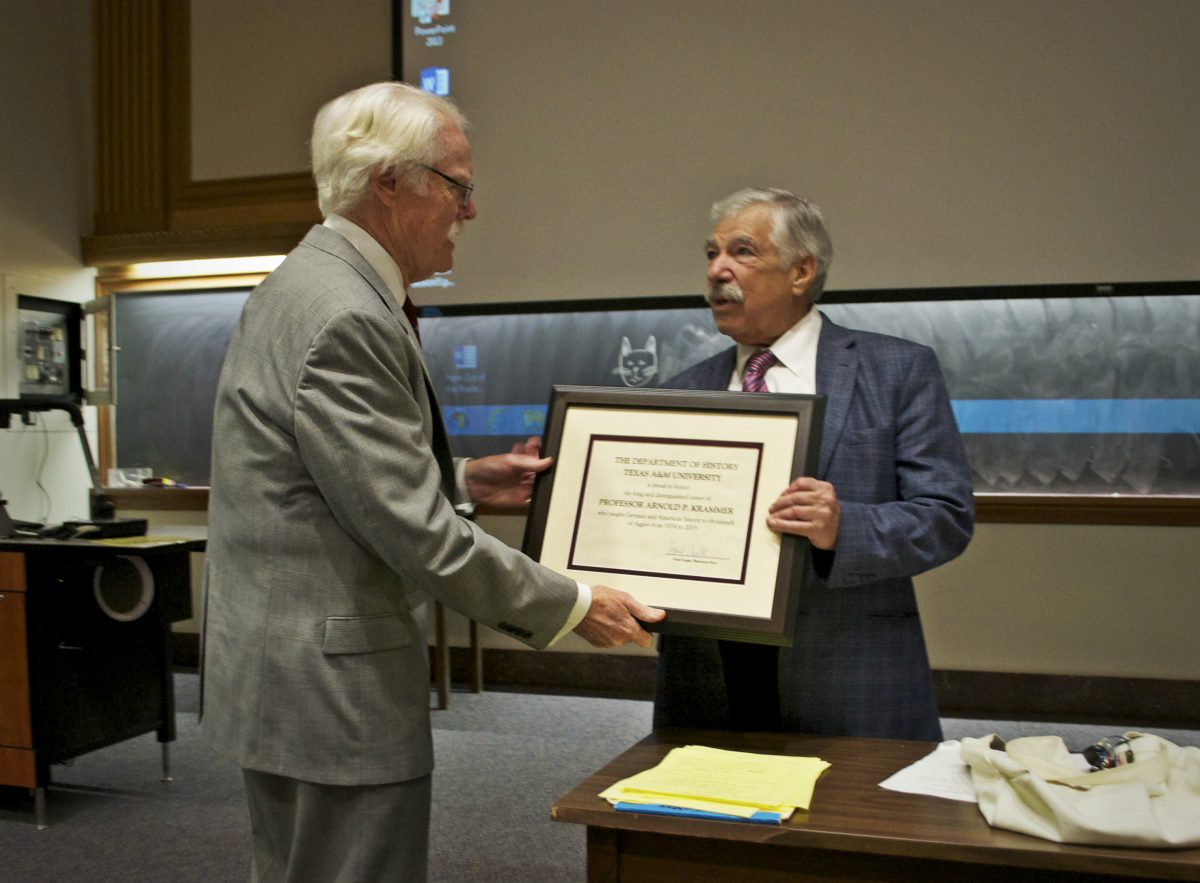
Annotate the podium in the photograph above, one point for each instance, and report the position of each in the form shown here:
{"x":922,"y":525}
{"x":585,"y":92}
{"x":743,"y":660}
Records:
{"x":85,"y":658}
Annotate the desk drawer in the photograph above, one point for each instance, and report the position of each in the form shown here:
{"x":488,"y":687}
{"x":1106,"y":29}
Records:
{"x":18,"y":767}
{"x":12,"y":572}
{"x":15,"y":723}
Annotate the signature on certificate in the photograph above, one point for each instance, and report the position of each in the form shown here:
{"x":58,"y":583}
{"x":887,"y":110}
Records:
{"x":687,"y":551}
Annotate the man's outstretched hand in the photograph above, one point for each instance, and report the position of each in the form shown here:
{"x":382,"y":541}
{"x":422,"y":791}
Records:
{"x":506,"y":480}
{"x":615,"y":619}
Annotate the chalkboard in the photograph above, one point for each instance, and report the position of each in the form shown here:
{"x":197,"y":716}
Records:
{"x":172,"y":345}
{"x":1094,"y":395}
{"x":1063,"y":394}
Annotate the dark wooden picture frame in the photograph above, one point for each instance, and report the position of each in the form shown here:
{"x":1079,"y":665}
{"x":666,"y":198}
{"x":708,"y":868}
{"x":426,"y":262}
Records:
{"x":790,"y":448}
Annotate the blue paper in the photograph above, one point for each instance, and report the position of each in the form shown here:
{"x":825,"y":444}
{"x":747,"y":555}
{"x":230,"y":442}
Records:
{"x":761,"y":817}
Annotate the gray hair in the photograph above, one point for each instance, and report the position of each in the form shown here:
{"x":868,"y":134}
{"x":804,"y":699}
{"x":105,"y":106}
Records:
{"x":383,"y":127}
{"x":797,"y":228}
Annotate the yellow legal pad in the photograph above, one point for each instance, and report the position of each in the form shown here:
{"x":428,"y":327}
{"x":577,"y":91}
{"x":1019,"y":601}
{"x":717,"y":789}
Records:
{"x":731,"y":783}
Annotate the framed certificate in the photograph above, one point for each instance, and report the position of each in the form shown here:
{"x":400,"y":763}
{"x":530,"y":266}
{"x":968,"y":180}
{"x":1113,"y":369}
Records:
{"x":664,"y":494}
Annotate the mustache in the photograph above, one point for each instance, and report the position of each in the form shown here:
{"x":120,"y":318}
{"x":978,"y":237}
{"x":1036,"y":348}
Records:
{"x":456,"y":230}
{"x":724,"y":291}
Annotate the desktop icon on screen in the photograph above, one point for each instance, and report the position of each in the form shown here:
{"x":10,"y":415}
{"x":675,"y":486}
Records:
{"x":534,"y":419}
{"x":425,"y":11}
{"x":466,"y":356}
{"x":436,"y":80}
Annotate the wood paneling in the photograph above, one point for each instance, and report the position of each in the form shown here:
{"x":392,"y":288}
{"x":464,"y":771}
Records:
{"x":18,"y":766}
{"x":12,"y":572}
{"x":130,"y":191}
{"x":1063,"y":509}
{"x":159,"y":499}
{"x":15,"y":725}
{"x":147,"y":205}
{"x":195,"y":243}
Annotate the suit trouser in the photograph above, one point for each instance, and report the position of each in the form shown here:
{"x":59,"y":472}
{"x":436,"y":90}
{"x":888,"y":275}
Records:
{"x":309,"y":833}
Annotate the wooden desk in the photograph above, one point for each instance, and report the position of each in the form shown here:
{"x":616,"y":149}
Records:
{"x":75,"y":676}
{"x":855,"y":829}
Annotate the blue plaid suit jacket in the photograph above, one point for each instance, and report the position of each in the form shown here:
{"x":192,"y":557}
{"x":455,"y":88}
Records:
{"x":891,"y":448}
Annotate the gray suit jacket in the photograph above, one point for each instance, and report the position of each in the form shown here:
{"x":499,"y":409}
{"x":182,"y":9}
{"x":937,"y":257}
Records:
{"x":891,"y":448}
{"x":330,"y":509}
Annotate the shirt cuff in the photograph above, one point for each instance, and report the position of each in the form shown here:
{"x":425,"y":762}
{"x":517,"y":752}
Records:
{"x":582,"y":604}
{"x":462,"y":501}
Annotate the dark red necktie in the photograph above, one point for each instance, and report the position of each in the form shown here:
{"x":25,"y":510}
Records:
{"x":410,"y":311}
{"x":754,"y":379}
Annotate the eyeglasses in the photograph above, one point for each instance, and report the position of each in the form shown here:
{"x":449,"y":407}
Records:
{"x":1109,"y":752}
{"x":467,"y":189}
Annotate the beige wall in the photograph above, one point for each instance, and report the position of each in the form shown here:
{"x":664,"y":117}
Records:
{"x":45,"y":52}
{"x":1068,"y":599}
{"x":1041,"y":599}
{"x":328,"y":48}
{"x":1046,"y":599}
{"x":950,"y":143}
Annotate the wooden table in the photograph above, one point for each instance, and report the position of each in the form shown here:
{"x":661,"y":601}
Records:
{"x":855,"y":829}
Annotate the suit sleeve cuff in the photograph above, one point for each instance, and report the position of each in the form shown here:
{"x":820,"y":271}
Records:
{"x":822,"y":560}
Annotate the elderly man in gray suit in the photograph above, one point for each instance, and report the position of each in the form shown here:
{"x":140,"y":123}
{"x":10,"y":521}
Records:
{"x":332,"y":512}
{"x":891,"y":498}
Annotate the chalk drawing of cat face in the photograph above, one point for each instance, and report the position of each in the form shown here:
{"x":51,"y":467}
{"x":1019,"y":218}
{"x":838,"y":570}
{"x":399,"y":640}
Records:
{"x":637,"y":367}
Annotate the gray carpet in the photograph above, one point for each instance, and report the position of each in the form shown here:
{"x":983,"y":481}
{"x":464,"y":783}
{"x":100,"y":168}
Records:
{"x":502,"y":758}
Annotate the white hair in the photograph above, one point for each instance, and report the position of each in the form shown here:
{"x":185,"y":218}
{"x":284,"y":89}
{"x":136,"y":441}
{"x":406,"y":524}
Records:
{"x":383,"y":127}
{"x":797,"y":228}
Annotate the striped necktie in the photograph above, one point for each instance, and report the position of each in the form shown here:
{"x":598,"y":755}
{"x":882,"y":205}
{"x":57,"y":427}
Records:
{"x":754,"y":379}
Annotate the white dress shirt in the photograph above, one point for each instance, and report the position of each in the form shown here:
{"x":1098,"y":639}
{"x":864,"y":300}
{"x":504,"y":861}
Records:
{"x":795,"y":370}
